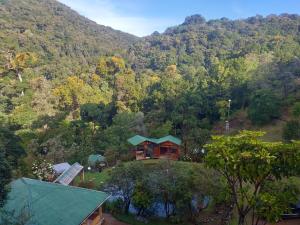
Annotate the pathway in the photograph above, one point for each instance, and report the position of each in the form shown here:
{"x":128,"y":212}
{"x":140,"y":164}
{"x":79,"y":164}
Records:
{"x":110,"y":220}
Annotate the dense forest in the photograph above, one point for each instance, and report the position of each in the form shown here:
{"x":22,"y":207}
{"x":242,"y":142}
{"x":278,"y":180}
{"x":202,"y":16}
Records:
{"x":70,"y":87}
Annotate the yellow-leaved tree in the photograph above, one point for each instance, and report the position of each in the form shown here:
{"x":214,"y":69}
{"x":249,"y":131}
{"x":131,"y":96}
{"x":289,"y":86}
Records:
{"x":75,"y":92}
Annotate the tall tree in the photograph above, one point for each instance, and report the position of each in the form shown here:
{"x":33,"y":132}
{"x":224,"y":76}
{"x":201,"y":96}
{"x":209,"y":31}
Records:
{"x":248,"y":164}
{"x":11,"y":152}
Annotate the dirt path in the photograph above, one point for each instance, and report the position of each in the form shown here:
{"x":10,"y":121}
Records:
{"x":109,"y":220}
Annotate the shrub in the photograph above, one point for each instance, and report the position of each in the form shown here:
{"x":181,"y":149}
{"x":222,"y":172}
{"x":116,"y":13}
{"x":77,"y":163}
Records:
{"x":264,"y":106}
{"x":291,"y":130}
{"x":296,"y":109}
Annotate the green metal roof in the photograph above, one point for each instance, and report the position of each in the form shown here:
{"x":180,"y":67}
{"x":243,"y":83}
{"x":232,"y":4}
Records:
{"x":51,"y":203}
{"x":137,"y":139}
{"x":93,"y":159}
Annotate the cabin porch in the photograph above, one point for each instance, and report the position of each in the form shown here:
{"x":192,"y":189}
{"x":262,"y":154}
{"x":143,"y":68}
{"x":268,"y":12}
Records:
{"x":96,"y":218}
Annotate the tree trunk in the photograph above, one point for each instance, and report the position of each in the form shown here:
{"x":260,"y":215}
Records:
{"x":167,"y":210}
{"x":127,"y":204}
{"x":227,"y":215}
{"x":241,"y":220}
{"x":20,"y":77}
{"x":140,"y":211}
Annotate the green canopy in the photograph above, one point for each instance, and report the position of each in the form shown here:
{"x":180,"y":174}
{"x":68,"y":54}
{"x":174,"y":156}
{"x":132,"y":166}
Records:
{"x":137,"y":139}
{"x":44,"y":203}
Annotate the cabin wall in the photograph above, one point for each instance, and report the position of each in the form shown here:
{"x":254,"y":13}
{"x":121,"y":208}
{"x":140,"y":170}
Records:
{"x":156,"y":152}
{"x":166,"y":150}
{"x":169,"y":150}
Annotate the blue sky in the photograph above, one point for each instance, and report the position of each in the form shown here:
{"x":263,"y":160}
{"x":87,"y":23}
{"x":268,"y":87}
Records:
{"x":143,"y":17}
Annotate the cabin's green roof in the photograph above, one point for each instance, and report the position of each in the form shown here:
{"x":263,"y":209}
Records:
{"x":137,"y":139}
{"x":50,"y":203}
{"x":93,"y":159}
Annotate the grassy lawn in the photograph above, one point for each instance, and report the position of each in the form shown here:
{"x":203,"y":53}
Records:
{"x":97,"y":178}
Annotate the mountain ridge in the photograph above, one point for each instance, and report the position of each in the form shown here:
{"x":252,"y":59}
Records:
{"x":57,"y":33}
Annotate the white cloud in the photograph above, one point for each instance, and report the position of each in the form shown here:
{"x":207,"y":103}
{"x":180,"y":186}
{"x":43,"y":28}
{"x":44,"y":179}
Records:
{"x":105,"y":12}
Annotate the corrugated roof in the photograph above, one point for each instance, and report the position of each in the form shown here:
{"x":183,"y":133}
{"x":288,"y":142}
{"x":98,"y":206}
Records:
{"x":69,"y":175}
{"x":137,"y":139}
{"x":49,"y":203}
{"x":61,"y":167}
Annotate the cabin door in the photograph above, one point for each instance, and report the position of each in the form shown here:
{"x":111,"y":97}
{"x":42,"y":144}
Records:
{"x":149,"y":150}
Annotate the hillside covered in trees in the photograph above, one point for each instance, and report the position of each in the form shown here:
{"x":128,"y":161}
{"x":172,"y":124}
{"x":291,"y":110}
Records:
{"x":70,"y":87}
{"x":64,"y":41}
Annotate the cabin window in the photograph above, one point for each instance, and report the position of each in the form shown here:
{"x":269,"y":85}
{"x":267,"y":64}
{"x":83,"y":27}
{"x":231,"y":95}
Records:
{"x":163,"y":150}
{"x":173,"y":150}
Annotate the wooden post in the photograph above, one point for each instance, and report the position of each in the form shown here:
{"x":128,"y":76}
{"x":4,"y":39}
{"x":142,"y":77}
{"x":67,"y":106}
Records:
{"x":100,"y":212}
{"x":82,"y":176}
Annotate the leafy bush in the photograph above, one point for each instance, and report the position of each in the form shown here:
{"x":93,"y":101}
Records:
{"x":291,"y":130}
{"x":296,"y":109}
{"x":115,"y":207}
{"x":264,"y":106}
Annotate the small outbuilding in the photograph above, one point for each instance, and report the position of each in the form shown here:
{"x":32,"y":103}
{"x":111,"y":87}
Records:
{"x":68,"y":176}
{"x":60,"y":168}
{"x":167,"y":147}
{"x":39,"y":202}
{"x":97,"y":159}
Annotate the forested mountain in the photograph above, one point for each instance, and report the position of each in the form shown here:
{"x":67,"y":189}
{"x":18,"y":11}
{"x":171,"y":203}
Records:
{"x":196,"y":41}
{"x":70,"y":87}
{"x":64,"y":41}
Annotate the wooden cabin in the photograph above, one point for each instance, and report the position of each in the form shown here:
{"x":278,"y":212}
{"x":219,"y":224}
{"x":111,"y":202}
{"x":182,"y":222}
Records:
{"x":167,"y":147}
{"x":38,"y":202}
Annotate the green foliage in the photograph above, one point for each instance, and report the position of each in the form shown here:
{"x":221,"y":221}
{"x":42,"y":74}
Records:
{"x":275,"y":199}
{"x":66,"y":103}
{"x":248,"y":164}
{"x":108,"y":67}
{"x":162,"y":130}
{"x":264,"y":106}
{"x":171,"y":183}
{"x":122,"y":179}
{"x":50,"y":30}
{"x":291,"y":130}
{"x":97,"y":113}
{"x":76,"y":92}
{"x":178,"y":80}
{"x":141,"y":197}
{"x":296,"y":110}
{"x":124,"y":126}
{"x":5,"y":174}
{"x":11,"y":153}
